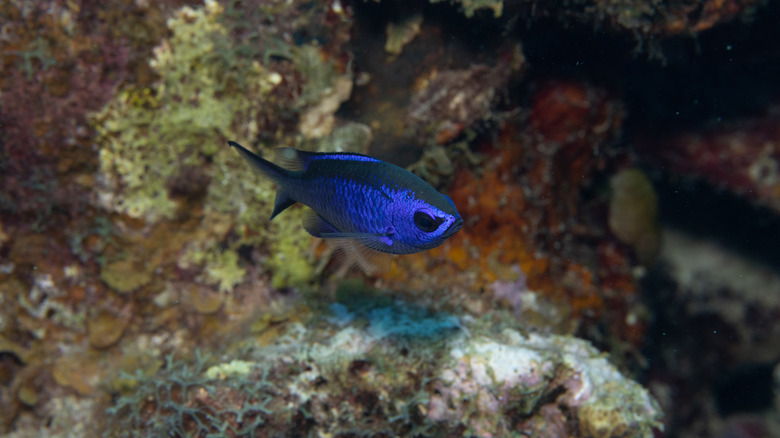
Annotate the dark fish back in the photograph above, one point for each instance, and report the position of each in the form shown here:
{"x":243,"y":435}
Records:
{"x":347,"y":194}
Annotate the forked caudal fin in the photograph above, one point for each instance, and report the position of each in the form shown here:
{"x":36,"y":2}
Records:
{"x":265,"y":167}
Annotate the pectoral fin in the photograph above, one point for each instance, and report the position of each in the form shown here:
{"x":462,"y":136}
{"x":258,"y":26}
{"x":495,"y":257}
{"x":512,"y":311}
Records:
{"x":358,"y":256}
{"x":361,"y":249}
{"x":316,"y":225}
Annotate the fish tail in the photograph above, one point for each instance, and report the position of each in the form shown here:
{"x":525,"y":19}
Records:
{"x":271,"y":171}
{"x":265,"y":167}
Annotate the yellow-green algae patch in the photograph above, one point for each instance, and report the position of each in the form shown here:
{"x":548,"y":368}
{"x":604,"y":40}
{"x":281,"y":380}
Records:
{"x":150,"y":135}
{"x":232,"y":369}
{"x":163,"y":153}
{"x":289,"y":261}
{"x":223,"y":268}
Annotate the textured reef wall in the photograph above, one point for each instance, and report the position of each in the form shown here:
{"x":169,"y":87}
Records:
{"x":387,"y":369}
{"x":616,"y":273}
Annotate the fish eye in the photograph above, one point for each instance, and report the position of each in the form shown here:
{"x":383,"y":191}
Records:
{"x":425,"y":222}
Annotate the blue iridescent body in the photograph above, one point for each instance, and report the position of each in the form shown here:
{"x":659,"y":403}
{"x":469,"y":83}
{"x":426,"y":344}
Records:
{"x":356,"y":197}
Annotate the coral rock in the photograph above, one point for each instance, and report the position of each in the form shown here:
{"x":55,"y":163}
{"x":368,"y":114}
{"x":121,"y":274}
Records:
{"x":105,"y":329}
{"x":742,"y":156}
{"x":398,"y":370}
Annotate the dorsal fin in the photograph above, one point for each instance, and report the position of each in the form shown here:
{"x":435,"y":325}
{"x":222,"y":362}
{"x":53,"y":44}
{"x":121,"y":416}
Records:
{"x":297,"y":160}
{"x":289,"y":158}
{"x":346,"y":156}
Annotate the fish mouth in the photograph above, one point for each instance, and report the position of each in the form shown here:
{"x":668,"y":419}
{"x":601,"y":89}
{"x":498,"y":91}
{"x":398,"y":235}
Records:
{"x":454,"y":228}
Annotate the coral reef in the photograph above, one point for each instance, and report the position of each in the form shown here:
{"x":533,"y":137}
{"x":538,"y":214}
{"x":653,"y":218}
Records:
{"x":389,"y":369}
{"x":208,"y":92}
{"x":731,"y":302}
{"x":645,"y":18}
{"x":588,"y":145}
{"x":452,"y":101}
{"x":509,"y":229}
{"x":135,"y":171}
{"x":742,"y":156}
{"x":160,"y":209}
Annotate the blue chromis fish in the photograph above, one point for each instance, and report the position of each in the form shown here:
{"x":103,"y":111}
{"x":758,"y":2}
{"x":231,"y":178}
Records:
{"x":359,"y":200}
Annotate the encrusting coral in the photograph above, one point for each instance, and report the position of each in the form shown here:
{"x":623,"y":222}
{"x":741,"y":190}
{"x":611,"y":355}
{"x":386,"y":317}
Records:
{"x":379,"y":367}
{"x":162,"y":150}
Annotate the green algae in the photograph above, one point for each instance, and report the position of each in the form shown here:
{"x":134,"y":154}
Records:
{"x":289,"y":262}
{"x":173,"y":134}
{"x":149,"y":135}
{"x":224,"y":270}
{"x":232,"y":369}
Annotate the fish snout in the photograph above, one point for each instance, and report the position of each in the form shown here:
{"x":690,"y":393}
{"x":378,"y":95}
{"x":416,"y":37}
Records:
{"x":454,"y":228}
